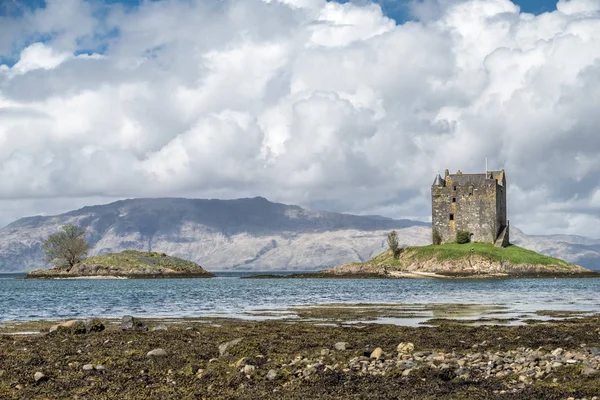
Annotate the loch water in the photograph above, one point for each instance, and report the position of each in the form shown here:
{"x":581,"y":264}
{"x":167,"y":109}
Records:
{"x":228,"y":295}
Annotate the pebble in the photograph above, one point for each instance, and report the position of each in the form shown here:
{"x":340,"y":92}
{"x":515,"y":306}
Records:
{"x":341,"y":346}
{"x":40,"y":377}
{"x":241,"y":362}
{"x":272,"y":375}
{"x":249,"y":369}
{"x":88,"y":367}
{"x":157,"y":353}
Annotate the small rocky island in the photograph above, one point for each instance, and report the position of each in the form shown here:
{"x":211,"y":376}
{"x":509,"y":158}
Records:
{"x":451,"y":260}
{"x":126,"y":264}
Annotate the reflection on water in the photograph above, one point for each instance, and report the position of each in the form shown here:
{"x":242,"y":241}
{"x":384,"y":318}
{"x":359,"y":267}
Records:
{"x":268,"y":298}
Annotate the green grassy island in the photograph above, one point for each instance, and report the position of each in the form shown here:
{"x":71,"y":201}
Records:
{"x":126,"y":264}
{"x":468,"y":260}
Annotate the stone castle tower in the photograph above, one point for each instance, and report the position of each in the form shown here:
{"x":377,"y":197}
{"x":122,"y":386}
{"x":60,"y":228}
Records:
{"x":475,"y":203}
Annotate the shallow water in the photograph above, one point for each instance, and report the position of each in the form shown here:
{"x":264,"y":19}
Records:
{"x":229,"y":296}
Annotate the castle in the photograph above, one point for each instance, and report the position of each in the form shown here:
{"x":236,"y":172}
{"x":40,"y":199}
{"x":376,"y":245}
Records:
{"x":475,"y":203}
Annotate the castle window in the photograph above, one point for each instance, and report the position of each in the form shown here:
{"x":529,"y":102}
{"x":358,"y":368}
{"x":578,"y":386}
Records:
{"x":454,"y":199}
{"x":454,"y":187}
{"x":451,"y":217}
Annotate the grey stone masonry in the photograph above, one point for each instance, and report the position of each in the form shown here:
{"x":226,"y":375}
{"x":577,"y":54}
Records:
{"x":475,"y":203}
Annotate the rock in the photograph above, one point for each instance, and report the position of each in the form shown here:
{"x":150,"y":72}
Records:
{"x":88,"y":367}
{"x":129,"y":323}
{"x":241,"y":362}
{"x":557,"y":352}
{"x":199,"y":373}
{"x":377,"y":353}
{"x":341,"y":346}
{"x":100,"y":368}
{"x":73,"y":326}
{"x":325,"y":352}
{"x":157,"y":353}
{"x":308,"y":371}
{"x":40,"y":377}
{"x":589,"y":371}
{"x":223,"y":347}
{"x":93,"y":325}
{"x":249,"y":369}
{"x":406,"y":348}
{"x":272,"y":375}
{"x":160,"y":327}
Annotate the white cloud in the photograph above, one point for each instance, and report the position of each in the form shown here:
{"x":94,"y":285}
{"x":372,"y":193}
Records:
{"x":313,"y":102}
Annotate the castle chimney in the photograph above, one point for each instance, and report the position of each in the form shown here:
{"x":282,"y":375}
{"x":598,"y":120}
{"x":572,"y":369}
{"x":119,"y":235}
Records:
{"x":446,"y":173}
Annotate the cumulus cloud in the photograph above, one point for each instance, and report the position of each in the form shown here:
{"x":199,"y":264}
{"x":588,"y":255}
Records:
{"x":324,"y":104}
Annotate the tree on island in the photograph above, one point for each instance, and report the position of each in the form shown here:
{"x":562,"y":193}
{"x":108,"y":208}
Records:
{"x":67,"y":247}
{"x":392,"y":241}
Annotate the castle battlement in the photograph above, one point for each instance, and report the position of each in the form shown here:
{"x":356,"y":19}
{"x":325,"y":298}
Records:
{"x":475,"y":203}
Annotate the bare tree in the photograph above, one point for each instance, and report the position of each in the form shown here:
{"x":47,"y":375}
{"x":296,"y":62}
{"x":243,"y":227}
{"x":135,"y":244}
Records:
{"x":67,"y":247}
{"x":392,"y":240}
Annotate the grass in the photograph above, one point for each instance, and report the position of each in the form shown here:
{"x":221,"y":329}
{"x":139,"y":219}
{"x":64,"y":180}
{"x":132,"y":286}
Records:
{"x":513,"y":254}
{"x":451,"y":251}
{"x":142,"y":259}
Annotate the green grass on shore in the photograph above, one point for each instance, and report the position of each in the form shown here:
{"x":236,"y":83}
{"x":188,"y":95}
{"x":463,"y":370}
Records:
{"x":451,"y":251}
{"x":142,"y":259}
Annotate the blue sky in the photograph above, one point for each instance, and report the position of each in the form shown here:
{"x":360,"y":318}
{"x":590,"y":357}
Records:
{"x":393,"y":8}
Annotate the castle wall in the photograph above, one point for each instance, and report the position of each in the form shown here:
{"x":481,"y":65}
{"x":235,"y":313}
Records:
{"x":501,"y":217}
{"x":477,"y":205}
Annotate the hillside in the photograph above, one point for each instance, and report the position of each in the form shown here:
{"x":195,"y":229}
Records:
{"x":128,"y":264}
{"x":245,"y":234}
{"x":461,"y":260}
{"x":238,"y":234}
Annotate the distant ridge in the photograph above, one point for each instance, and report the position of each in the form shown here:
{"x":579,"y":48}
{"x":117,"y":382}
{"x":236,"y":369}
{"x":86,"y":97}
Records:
{"x":241,"y":234}
{"x":245,"y":234}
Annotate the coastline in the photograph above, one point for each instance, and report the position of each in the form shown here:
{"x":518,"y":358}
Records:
{"x":42,"y":276}
{"x":225,"y":359}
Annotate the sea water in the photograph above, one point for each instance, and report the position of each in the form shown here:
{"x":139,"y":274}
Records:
{"x":230,"y":296}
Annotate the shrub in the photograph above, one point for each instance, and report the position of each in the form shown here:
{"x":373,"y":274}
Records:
{"x":436,"y":238}
{"x":463,"y":237}
{"x":392,"y":240}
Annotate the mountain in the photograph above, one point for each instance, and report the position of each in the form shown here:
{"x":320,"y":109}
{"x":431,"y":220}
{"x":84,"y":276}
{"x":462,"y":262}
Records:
{"x":575,"y":249}
{"x":245,"y":234}
{"x":240,"y":234}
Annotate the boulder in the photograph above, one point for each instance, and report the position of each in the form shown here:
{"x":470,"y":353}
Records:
{"x":406,"y":348}
{"x":157,"y":353}
{"x":73,"y":326}
{"x":377,"y":353}
{"x":160,"y":327}
{"x":129,"y":323}
{"x":93,"y":325}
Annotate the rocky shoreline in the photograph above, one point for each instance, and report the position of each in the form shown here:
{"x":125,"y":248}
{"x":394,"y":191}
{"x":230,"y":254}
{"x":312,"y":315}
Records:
{"x":230,"y":359}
